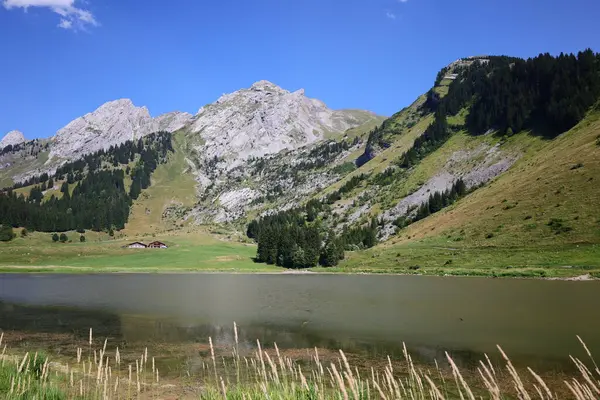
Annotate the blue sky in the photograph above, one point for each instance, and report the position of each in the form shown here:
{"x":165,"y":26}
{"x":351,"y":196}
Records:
{"x":64,"y":58}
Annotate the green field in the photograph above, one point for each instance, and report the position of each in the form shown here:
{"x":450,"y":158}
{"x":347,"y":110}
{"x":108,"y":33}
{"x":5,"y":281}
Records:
{"x":186,"y":252}
{"x":201,"y":252}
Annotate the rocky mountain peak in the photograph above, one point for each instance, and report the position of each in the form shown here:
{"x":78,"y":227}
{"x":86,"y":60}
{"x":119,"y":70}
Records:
{"x":12,"y":138}
{"x":264,"y":119}
{"x":110,"y":124}
{"x":267,"y":86}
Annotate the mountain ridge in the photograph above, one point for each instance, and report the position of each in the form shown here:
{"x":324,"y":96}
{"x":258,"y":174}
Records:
{"x":12,"y":138}
{"x":254,"y":121}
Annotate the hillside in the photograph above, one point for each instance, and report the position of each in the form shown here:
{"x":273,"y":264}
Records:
{"x":487,"y":173}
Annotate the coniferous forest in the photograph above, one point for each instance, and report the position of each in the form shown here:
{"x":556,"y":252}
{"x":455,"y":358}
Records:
{"x":93,"y":192}
{"x":298,"y":238}
{"x":545,"y":93}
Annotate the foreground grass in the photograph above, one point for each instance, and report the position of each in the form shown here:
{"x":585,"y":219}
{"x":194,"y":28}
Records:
{"x":237,"y":372}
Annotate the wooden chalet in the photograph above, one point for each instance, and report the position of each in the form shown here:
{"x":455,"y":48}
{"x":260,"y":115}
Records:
{"x":157,"y":245}
{"x":136,"y":245}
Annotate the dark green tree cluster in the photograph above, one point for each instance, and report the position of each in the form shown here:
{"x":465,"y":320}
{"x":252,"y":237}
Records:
{"x":553,"y":91}
{"x":362,"y":237}
{"x":98,"y":202}
{"x":34,"y":180}
{"x":346,"y":188}
{"x":435,"y":203}
{"x":295,"y":239}
{"x":152,"y":150}
{"x":31,"y":148}
{"x":439,"y":200}
{"x":387,"y":176}
{"x":511,"y":94}
{"x":6,"y":233}
{"x":435,"y":135}
{"x":324,"y":153}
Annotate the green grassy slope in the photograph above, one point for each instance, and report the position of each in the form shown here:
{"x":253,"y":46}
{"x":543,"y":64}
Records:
{"x":173,"y":185}
{"x":542,"y":217}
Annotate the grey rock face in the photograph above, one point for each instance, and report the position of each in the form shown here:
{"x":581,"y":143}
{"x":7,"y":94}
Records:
{"x":172,"y":121}
{"x":265,"y":119}
{"x":111,"y":124}
{"x":12,"y":138}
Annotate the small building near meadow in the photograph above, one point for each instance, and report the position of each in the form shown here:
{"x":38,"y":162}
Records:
{"x":157,"y":245}
{"x":136,"y":245}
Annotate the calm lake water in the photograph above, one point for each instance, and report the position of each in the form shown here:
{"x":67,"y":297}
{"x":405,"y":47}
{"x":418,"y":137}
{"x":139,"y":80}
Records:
{"x":534,"y":321}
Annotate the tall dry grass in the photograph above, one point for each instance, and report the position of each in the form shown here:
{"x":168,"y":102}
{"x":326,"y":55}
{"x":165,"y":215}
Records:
{"x":268,"y":374}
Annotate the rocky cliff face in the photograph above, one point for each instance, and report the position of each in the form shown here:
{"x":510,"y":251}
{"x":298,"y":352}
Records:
{"x":111,"y":124}
{"x":223,"y":137}
{"x":12,"y":138}
{"x":266,"y":119}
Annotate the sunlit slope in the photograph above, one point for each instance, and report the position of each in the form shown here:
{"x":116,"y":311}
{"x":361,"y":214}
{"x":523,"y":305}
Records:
{"x":542,"y":213}
{"x":551,"y":196}
{"x":161,"y":206}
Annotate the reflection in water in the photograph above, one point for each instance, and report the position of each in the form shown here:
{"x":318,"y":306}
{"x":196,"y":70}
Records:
{"x":370,"y":315}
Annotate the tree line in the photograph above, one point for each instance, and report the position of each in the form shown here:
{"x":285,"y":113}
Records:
{"x":298,"y":239}
{"x":92,"y":198}
{"x":436,"y":202}
{"x":545,"y":93}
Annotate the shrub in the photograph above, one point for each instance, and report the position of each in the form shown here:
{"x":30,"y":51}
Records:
{"x":6,"y":233}
{"x":558,"y":227}
{"x":55,"y":237}
{"x":24,"y":232}
{"x":489,"y":236}
{"x":82,"y":238}
{"x":63,"y":238}
{"x":80,"y":230}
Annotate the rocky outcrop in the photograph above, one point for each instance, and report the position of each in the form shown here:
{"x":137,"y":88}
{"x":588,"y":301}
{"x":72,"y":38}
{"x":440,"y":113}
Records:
{"x":111,"y":124}
{"x":475,"y":167}
{"x":173,"y":121}
{"x":12,"y":138}
{"x":266,"y":119}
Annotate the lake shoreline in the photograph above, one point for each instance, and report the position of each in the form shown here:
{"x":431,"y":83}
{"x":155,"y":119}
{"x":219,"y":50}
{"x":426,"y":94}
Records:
{"x":56,"y":269}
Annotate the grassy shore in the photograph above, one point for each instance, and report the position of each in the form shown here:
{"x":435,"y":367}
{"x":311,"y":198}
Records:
{"x":203,"y":252}
{"x":100,"y":370}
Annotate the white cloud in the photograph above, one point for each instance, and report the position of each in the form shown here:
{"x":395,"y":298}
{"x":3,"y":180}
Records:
{"x":390,"y":15}
{"x":65,"y":24}
{"x":71,"y":17}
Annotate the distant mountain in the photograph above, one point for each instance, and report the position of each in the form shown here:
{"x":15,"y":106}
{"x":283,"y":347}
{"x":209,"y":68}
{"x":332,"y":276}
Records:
{"x":12,"y":138}
{"x":111,"y":124}
{"x":262,"y":119}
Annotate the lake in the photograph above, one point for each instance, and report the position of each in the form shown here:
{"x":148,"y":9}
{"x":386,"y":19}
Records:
{"x":534,"y":321}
